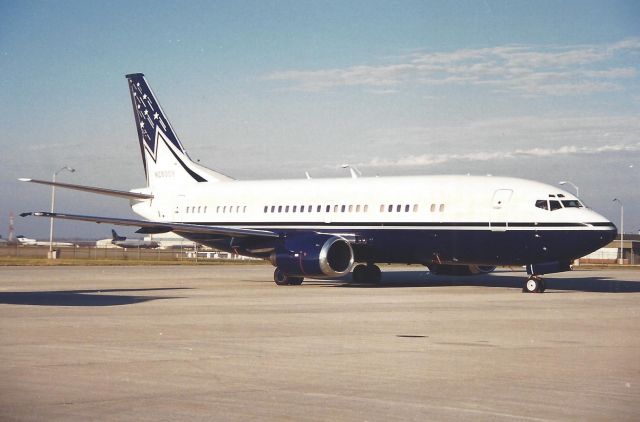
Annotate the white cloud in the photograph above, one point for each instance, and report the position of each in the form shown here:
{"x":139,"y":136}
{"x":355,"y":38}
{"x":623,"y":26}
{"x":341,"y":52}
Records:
{"x":518,"y":69}
{"x":506,"y":138}
{"x":432,"y":159}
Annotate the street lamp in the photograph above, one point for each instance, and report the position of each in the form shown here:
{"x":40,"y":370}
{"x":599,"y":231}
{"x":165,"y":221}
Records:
{"x":621,"y":229}
{"x":53,"y":201}
{"x":566,"y":182}
{"x":355,"y":173}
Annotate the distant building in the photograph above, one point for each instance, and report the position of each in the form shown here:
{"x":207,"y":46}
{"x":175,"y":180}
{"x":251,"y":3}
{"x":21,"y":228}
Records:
{"x":610,"y":254}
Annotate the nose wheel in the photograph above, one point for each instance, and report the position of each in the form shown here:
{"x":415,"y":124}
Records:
{"x":535,"y":284}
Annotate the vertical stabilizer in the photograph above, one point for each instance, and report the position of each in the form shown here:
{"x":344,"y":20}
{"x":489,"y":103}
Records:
{"x":165,"y":159}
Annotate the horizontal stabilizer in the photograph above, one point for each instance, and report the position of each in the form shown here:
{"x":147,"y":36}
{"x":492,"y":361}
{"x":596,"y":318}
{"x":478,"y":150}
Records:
{"x":101,"y":191}
{"x":159,"y":227}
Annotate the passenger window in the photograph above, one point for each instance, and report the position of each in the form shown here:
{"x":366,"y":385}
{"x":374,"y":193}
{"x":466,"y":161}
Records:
{"x":244,"y":209}
{"x":415,"y":207}
{"x":294,"y":208}
{"x":205,"y":209}
{"x":441,"y":207}
{"x":187,"y":210}
{"x":343,"y":208}
{"x":554,"y":205}
{"x":406,"y":208}
{"x":273,"y":208}
{"x":366,"y":208}
{"x":433,"y":207}
{"x":319,"y":208}
{"x":390,"y":209}
{"x":279,"y":208}
{"x":328,"y":208}
{"x":224,"y":209}
{"x":350,"y":208}
{"x":266,"y":208}
{"x":542,"y":204}
{"x":286,"y":209}
{"x":357,"y":208}
{"x":381,"y":208}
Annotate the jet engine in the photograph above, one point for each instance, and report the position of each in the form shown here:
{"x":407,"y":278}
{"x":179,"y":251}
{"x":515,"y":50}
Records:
{"x":448,"y":269}
{"x":314,"y":255}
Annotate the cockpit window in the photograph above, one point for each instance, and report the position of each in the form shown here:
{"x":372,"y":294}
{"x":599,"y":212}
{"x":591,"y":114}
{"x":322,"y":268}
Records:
{"x":554,"y":205}
{"x":572,"y":203}
{"x":542,"y":203}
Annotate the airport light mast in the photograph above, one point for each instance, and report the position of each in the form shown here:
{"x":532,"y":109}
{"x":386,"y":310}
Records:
{"x":621,"y":230}
{"x":566,"y":182}
{"x":53,"y":201}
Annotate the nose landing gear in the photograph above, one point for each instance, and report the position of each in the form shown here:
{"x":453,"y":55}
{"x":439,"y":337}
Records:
{"x":535,"y":284}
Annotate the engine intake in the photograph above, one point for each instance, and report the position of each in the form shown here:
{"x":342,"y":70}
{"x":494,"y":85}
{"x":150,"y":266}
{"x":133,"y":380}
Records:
{"x":314,"y":255}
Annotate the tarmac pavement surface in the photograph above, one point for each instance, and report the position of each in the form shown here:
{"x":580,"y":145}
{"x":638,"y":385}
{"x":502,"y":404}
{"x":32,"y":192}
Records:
{"x":225,"y":343}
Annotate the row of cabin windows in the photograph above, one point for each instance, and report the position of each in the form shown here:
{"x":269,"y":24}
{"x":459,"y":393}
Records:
{"x":196,"y":210}
{"x":319,"y":208}
{"x":407,"y":208}
{"x":347,"y":208}
{"x":219,"y":209}
{"x":398,"y":208}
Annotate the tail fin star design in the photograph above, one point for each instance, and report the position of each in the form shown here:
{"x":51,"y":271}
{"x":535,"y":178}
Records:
{"x":161,"y":149}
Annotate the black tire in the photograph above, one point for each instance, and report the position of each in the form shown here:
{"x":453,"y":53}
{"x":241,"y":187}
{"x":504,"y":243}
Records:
{"x":359,"y":274}
{"x":543,"y":286}
{"x":532,"y":285}
{"x":280,"y":277}
{"x":374,"y":275}
{"x":295,"y":281}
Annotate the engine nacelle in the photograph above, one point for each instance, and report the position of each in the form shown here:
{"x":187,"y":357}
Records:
{"x":314,"y":255}
{"x":448,"y":269}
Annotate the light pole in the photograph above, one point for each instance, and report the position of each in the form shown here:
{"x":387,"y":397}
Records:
{"x":621,"y":230}
{"x":355,"y":173}
{"x":53,"y":201}
{"x":566,"y":182}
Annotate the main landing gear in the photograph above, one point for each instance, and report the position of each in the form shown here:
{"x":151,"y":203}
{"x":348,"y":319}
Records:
{"x":369,"y":273}
{"x":282,"y":279}
{"x":535,"y":284}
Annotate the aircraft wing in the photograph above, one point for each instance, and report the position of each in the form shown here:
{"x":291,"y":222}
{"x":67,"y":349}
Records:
{"x":159,"y":227}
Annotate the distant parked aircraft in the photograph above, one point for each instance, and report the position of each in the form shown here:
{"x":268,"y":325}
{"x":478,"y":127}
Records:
{"x":123,"y":242}
{"x":26,"y":241}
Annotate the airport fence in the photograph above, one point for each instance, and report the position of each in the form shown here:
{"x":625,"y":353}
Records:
{"x":118,"y":254}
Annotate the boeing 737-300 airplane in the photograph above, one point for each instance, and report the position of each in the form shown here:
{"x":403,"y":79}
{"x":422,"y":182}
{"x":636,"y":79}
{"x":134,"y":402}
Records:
{"x":321,"y":228}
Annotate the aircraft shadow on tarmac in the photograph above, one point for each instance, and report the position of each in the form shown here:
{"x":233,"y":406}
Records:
{"x":581,"y":282}
{"x":82,"y":297}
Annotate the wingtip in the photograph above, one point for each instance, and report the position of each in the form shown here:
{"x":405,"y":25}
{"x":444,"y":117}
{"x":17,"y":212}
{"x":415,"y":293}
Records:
{"x":24,"y":179}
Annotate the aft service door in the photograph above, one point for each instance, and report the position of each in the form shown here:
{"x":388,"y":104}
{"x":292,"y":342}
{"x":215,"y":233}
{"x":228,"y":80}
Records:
{"x":499,"y":209}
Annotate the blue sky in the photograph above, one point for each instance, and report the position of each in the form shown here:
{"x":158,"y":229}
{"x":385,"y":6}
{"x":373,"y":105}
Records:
{"x":543,"y":90}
